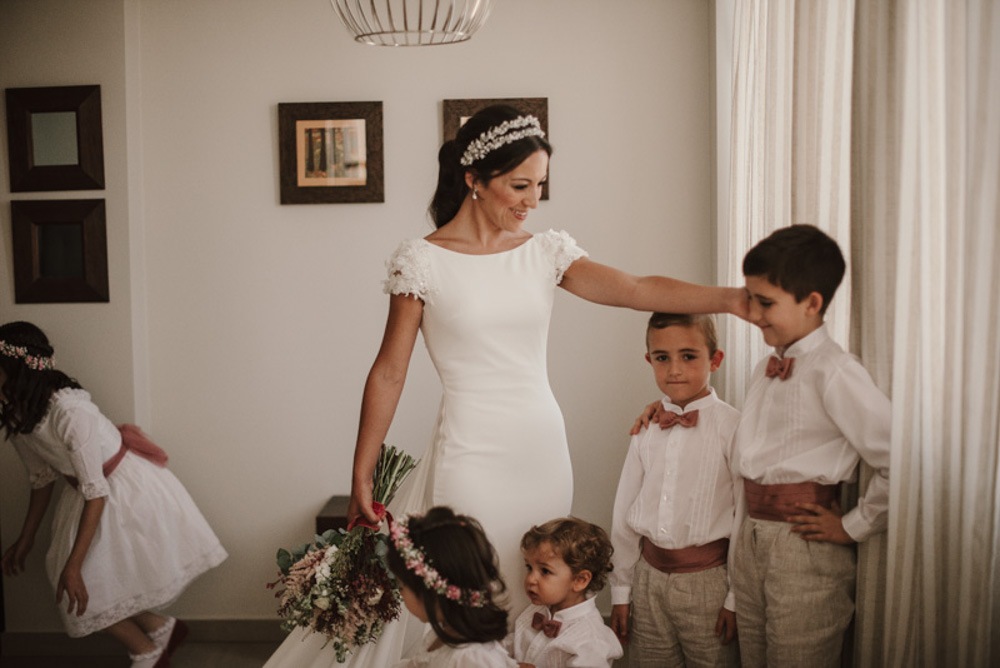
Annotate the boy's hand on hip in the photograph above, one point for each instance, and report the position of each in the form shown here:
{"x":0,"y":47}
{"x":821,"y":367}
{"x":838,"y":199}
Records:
{"x":819,"y":523}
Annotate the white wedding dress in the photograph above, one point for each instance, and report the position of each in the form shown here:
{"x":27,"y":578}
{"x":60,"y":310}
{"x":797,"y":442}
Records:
{"x":499,"y":451}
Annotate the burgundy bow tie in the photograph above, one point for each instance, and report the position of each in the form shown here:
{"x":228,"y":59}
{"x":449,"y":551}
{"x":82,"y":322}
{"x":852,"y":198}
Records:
{"x":669,"y":418}
{"x":779,"y":368}
{"x":550,"y":627}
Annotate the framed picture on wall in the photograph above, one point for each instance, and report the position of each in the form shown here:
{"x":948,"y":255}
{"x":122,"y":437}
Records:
{"x":330,"y":152}
{"x":457,"y":112}
{"x":60,"y":251}
{"x":54,"y":139}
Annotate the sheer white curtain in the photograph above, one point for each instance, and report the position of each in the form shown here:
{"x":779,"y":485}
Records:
{"x":878,"y":121}
{"x":755,"y":104}
{"x":875,"y":215}
{"x":784,"y":135}
{"x":942,"y":590}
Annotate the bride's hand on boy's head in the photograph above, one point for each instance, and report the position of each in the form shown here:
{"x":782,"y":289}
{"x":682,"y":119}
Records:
{"x":739,"y":303}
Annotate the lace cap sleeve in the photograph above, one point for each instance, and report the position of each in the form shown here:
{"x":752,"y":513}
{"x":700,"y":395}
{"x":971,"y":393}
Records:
{"x":409,"y":271}
{"x":563,"y":249}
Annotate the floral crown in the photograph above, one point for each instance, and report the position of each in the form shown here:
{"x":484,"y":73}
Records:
{"x":416,"y":561}
{"x":501,"y":135}
{"x":36,"y":362}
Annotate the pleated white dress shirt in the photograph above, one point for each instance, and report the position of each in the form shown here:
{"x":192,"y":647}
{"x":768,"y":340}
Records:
{"x":816,"y":425}
{"x":677,"y":489}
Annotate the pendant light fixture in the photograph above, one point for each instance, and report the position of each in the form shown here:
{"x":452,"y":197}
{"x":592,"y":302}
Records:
{"x":412,"y":22}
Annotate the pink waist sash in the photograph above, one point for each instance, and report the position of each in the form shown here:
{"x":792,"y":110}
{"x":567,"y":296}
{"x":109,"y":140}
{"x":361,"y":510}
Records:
{"x":686,"y":559}
{"x":777,"y":502}
{"x":133,"y":440}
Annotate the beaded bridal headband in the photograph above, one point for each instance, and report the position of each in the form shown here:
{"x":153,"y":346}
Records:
{"x":36,"y":362}
{"x":501,"y":135}
{"x":416,"y":561}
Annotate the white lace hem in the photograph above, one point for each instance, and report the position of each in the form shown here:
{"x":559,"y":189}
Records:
{"x":77,"y":627}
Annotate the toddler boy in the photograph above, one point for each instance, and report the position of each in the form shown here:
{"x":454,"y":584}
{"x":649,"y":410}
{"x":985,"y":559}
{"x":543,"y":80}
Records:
{"x":675,"y":509}
{"x":566,"y":563}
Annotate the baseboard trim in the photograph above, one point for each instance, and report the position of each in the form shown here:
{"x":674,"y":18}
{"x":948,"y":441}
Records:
{"x":98,"y":644}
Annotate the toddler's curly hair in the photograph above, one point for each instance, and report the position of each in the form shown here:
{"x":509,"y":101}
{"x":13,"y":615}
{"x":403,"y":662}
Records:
{"x":582,"y":545}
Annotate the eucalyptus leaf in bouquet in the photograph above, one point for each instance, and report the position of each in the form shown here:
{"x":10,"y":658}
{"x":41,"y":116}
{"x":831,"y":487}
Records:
{"x":339,"y":584}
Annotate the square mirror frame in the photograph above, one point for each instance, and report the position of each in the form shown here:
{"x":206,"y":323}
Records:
{"x":30,"y":285}
{"x":25,"y":175}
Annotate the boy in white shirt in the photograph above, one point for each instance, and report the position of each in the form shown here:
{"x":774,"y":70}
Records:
{"x":566,"y":563}
{"x":811,"y":412}
{"x":675,"y":510}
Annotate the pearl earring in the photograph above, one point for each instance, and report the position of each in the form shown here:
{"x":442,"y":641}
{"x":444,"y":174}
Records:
{"x":475,"y":194}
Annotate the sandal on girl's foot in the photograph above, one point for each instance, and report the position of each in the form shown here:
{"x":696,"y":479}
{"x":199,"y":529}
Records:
{"x":156,"y":659}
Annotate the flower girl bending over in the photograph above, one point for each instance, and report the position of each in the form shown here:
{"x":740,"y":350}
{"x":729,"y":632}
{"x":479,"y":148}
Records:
{"x":567,"y":562}
{"x":126,"y":537}
{"x":449,"y":576}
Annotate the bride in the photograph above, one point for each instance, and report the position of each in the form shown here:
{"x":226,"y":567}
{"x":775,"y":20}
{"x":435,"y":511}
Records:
{"x":480,"y":288}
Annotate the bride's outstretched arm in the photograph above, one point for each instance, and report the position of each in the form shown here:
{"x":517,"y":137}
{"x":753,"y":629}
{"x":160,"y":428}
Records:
{"x":382,"y":391}
{"x":606,"y":285}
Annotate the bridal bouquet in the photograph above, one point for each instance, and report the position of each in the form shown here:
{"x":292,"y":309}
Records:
{"x":339,"y":584}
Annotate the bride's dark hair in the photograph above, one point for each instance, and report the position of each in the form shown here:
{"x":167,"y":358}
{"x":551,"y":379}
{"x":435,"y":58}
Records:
{"x":451,"y":188}
{"x":26,"y":391}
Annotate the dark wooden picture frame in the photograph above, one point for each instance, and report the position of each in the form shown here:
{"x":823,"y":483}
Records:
{"x":26,"y":109}
{"x":456,"y":111}
{"x":60,"y":251}
{"x":315,"y":138}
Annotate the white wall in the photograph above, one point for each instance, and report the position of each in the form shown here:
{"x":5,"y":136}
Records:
{"x":263,"y":319}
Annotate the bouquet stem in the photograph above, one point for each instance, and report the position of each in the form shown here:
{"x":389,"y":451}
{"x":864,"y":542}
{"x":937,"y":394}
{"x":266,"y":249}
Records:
{"x":339,"y":584}
{"x":392,"y":468}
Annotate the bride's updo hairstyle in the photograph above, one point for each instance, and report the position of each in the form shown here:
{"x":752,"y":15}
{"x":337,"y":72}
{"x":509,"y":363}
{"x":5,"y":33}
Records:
{"x":484,"y":165}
